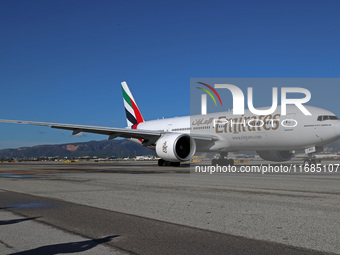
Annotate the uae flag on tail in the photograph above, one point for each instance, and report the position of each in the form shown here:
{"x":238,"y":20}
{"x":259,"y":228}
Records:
{"x":133,"y":115}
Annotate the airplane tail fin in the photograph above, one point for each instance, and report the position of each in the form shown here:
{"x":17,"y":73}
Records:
{"x":133,"y":115}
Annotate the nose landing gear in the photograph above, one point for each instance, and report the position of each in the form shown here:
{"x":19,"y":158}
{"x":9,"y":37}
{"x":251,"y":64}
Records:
{"x":311,"y":160}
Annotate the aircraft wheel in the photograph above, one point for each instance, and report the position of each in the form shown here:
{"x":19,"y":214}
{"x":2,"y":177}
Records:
{"x":214,"y":162}
{"x":161,"y":162}
{"x":177,"y":164}
{"x":222,"y":162}
{"x":313,"y":162}
{"x":231,"y":162}
{"x":226,"y":162}
{"x":307,"y":162}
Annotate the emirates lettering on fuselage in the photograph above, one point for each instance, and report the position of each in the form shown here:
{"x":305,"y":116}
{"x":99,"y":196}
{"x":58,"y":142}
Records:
{"x":199,"y":122}
{"x":243,"y":124}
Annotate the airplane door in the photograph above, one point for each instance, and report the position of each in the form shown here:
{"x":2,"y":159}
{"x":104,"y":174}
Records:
{"x":169,"y":128}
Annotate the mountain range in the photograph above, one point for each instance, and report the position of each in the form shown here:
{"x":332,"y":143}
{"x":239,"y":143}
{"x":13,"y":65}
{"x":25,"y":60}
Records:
{"x":107,"y":148}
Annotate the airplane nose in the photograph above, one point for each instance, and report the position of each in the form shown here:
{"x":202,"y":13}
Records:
{"x":337,"y":129}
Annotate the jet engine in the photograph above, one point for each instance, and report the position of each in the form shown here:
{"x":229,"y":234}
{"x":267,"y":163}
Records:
{"x":277,"y":156}
{"x":175,"y":147}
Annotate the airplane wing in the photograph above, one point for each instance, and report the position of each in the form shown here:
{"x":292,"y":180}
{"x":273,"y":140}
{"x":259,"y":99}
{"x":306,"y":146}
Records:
{"x":149,"y":135}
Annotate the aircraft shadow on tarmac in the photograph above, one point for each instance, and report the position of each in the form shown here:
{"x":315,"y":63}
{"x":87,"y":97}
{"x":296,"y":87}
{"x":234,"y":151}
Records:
{"x":9,"y":222}
{"x":65,"y":248}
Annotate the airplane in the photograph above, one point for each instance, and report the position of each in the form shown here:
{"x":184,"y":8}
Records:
{"x":274,"y":137}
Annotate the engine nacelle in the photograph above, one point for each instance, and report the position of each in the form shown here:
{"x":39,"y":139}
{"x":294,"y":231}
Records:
{"x":175,"y":147}
{"x":277,"y":156}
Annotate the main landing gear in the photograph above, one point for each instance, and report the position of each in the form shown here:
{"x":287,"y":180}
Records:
{"x":162,"y":162}
{"x":223,"y":160}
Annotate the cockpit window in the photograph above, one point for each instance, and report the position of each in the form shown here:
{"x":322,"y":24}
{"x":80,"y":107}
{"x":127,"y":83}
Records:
{"x":327,"y":117}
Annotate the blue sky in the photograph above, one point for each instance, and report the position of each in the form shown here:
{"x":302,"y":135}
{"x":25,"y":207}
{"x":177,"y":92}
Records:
{"x":63,"y":61}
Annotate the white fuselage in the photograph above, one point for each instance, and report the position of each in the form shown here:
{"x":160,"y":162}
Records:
{"x":252,"y":132}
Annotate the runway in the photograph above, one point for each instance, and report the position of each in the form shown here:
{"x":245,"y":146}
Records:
{"x":140,"y":208}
